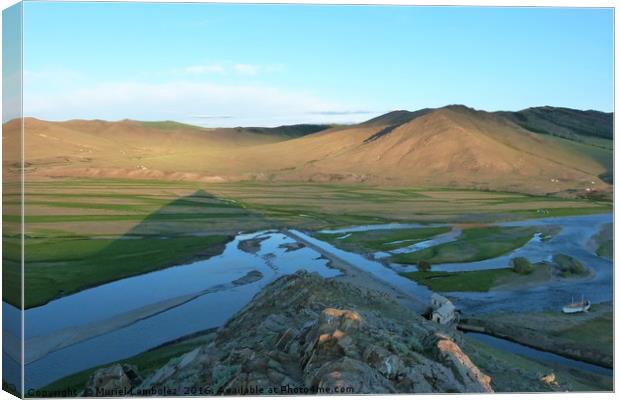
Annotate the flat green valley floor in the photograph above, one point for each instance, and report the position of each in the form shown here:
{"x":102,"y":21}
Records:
{"x":81,"y":233}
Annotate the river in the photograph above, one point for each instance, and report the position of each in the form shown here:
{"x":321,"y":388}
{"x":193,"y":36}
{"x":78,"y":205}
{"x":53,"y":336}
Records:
{"x":208,"y":311}
{"x":273,"y":260}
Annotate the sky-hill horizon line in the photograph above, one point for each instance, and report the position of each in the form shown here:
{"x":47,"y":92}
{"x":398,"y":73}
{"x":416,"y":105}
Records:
{"x":302,"y":122}
{"x":570,"y":150}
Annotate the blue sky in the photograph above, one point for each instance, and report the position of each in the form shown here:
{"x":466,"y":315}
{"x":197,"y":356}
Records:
{"x":230,"y":65}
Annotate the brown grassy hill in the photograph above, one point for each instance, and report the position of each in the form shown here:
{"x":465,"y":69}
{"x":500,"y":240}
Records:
{"x":397,"y":117}
{"x":448,"y":147}
{"x":128,"y":148}
{"x":454,"y":146}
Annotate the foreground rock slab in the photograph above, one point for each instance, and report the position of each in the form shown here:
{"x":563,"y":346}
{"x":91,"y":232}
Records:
{"x":304,"y":334}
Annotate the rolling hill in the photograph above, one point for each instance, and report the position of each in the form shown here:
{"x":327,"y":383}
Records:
{"x":538,"y":150}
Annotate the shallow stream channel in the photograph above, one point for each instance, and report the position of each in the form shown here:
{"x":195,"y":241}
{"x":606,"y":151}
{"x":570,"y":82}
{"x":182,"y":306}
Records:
{"x":539,"y":355}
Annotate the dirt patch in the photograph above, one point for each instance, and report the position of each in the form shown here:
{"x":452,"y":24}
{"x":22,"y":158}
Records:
{"x":543,"y":273}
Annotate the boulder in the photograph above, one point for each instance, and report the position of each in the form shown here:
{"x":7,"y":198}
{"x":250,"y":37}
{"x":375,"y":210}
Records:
{"x":113,"y":381}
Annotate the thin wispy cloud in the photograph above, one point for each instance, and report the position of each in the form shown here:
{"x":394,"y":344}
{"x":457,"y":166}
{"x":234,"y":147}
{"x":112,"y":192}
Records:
{"x":246,"y":69}
{"x":205,"y":69}
{"x":356,"y":112}
{"x":241,"y":69}
{"x":212,"y":116}
{"x":52,"y":77}
{"x":184,"y":101}
{"x":202,"y":94}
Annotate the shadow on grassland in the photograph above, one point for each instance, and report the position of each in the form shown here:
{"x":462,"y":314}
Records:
{"x":193,"y":227}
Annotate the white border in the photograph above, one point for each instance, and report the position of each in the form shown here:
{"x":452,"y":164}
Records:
{"x":524,"y":3}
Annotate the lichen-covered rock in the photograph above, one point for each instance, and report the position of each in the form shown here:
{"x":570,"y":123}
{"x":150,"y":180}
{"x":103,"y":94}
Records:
{"x":113,"y":381}
{"x":305,"y":334}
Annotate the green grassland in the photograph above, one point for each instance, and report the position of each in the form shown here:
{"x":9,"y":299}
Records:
{"x":606,"y":249}
{"x":506,"y":367}
{"x":56,"y":267}
{"x":600,"y":330}
{"x":11,"y":269}
{"x":597,"y":326}
{"x":586,"y":336}
{"x":474,"y":244}
{"x":324,"y":205}
{"x":11,"y":239}
{"x":381,"y":240}
{"x":480,"y":281}
{"x":604,"y":241}
{"x":71,"y":245}
{"x":467,"y":281}
{"x":84,"y":232}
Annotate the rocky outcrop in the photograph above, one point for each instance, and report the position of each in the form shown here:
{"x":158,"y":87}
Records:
{"x":113,"y":381}
{"x":305,"y":334}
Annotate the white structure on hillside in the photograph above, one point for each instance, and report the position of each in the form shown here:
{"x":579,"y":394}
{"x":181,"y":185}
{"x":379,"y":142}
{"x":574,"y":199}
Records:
{"x":443,"y":309}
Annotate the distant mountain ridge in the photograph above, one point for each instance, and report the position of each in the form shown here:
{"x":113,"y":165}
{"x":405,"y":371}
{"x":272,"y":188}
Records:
{"x":289,"y":131}
{"x":564,"y":122}
{"x":536,"y":150}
